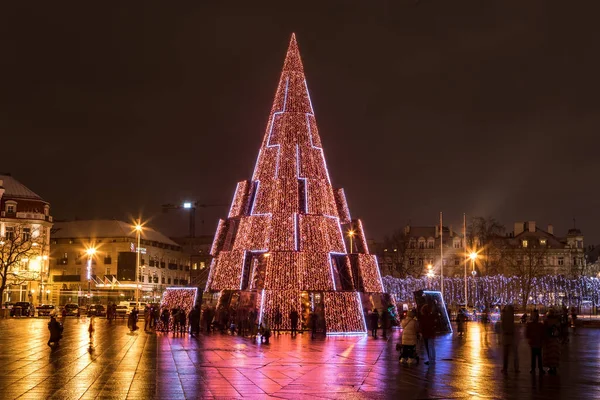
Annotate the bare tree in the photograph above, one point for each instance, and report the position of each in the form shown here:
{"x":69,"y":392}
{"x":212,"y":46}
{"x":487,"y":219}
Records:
{"x":485,"y":235}
{"x":526,"y":263}
{"x":397,"y":253}
{"x":20,"y":255}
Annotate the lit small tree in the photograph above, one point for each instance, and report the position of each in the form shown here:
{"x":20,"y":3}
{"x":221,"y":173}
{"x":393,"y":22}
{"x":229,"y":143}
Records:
{"x":20,"y":255}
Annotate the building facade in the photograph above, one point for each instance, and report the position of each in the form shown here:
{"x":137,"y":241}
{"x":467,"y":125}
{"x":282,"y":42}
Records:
{"x":25,"y":224}
{"x":527,"y":250}
{"x":112,"y":276}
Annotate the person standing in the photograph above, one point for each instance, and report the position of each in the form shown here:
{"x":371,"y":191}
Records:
{"x":386,"y":319}
{"x":175,"y":319}
{"x":551,"y":341}
{"x":132,"y":321}
{"x":574,"y":320}
{"x":294,"y":322}
{"x":428,"y":329}
{"x":164,"y":317}
{"x":410,"y":328}
{"x":147,"y":318}
{"x":277,"y":321}
{"x":535,"y":336}
{"x":374,"y":321}
{"x":510,"y":341}
{"x":195,"y":321}
{"x":182,"y":321}
{"x":56,"y":330}
{"x":461,"y":320}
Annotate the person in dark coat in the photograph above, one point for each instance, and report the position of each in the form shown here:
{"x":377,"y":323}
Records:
{"x":56,"y":330}
{"x":164,"y":318}
{"x":277,"y":321}
{"x":428,"y":328}
{"x":386,"y":319}
{"x":294,"y":317}
{"x":182,"y":320}
{"x":195,"y":321}
{"x":535,"y":336}
{"x":551,"y":341}
{"x":132,"y":321}
{"x":510,"y":339}
{"x":374,"y":320}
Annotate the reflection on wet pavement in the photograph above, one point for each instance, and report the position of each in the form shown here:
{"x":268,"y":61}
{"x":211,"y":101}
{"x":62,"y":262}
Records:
{"x":120,"y":365}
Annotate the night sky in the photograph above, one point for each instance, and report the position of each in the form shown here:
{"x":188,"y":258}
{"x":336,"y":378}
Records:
{"x":488,"y":108}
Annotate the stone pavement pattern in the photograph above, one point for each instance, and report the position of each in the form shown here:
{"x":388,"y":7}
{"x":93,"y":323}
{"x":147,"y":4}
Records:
{"x":146,"y":365}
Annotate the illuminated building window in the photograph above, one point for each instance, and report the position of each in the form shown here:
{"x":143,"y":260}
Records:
{"x":26,"y":234}
{"x":524,"y":242}
{"x":195,"y":266}
{"x":10,"y":233}
{"x":543,"y":242}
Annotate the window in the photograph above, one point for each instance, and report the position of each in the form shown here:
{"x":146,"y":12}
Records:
{"x":524,"y":242}
{"x":142,"y":261}
{"x":169,"y":281}
{"x":444,"y":262}
{"x":26,"y":234}
{"x":411,"y":244}
{"x":543,"y":242}
{"x":78,"y":259}
{"x":420,"y":261}
{"x":77,"y":271}
{"x":195,"y":266}
{"x":107,"y":270}
{"x":561,"y":261}
{"x":580,"y":244}
{"x":151,"y":262}
{"x":203,"y":264}
{"x":10,"y":233}
{"x":411,"y":261}
{"x":107,"y":260}
{"x":10,"y":208}
{"x":456,"y":262}
{"x":430,"y":244}
{"x":457,"y":244}
{"x":421,"y":245}
{"x":162,"y":280}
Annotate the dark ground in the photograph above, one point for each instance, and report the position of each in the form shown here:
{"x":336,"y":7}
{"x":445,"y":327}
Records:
{"x":144,"y":366}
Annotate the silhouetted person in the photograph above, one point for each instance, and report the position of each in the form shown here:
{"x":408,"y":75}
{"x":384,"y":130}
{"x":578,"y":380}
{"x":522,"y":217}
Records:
{"x":374,"y":320}
{"x":277,"y":321}
{"x":427,"y":326}
{"x":551,"y":342}
{"x":294,"y":322}
{"x":461,"y":320}
{"x":147,"y":318}
{"x":182,"y":320}
{"x":56,"y":330}
{"x":195,"y":321}
{"x":164,"y":318}
{"x":510,"y":340}
{"x":132,"y":321}
{"x":535,"y":336}
{"x":386,"y":321}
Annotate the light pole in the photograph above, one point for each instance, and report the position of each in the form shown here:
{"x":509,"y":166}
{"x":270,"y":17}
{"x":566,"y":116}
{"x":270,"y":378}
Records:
{"x":429,"y":275}
{"x":351,"y":234}
{"x":473,"y":257}
{"x":90,"y":253}
{"x":138,"y":232}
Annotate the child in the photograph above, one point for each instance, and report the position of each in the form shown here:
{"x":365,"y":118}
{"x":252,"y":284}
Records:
{"x":410,"y":327}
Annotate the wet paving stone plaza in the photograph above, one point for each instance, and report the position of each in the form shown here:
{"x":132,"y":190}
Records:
{"x":121,"y":365}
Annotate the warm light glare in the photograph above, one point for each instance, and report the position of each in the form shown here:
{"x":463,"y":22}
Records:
{"x":91,"y":251}
{"x":473,"y":255}
{"x":351,"y":233}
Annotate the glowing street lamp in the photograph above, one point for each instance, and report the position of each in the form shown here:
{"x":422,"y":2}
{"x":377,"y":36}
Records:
{"x":430,"y":274}
{"x":351,"y":234}
{"x":90,"y":253}
{"x":473,"y":257}
{"x":138,"y":233}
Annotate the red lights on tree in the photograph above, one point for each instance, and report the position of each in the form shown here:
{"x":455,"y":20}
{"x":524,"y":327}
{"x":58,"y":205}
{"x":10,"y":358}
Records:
{"x":290,"y":211}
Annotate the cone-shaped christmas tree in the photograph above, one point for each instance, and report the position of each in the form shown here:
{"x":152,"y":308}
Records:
{"x":282,"y":246}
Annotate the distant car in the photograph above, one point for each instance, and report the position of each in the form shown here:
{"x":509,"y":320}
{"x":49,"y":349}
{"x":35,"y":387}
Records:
{"x":96,"y":310}
{"x":122,"y":311}
{"x":45,"y":310}
{"x":72,"y":309}
{"x":22,"y":309}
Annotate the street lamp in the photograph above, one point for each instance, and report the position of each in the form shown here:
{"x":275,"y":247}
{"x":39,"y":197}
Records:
{"x":351,"y":234}
{"x":429,"y":274}
{"x":138,"y":233}
{"x":90,"y":253}
{"x":473,"y":257}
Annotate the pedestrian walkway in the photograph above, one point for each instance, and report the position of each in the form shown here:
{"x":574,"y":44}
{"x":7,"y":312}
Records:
{"x":143,"y":365}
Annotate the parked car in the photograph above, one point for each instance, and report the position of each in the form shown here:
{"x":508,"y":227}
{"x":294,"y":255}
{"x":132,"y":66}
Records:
{"x":122,"y":311}
{"x":8,"y":305}
{"x":22,"y":309}
{"x":45,"y":310}
{"x":72,"y":308}
{"x":96,"y":310}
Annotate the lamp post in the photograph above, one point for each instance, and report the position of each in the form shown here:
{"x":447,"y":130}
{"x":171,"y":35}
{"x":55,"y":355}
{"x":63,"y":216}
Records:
{"x":138,"y":232}
{"x":429,"y":275}
{"x":351,"y":234}
{"x":90,"y":253}
{"x":473,"y":257}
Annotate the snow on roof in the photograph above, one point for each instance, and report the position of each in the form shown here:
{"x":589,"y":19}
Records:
{"x":105,"y":229}
{"x":15,"y":189}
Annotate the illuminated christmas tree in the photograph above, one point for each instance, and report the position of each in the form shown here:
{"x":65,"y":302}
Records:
{"x":282,"y":245}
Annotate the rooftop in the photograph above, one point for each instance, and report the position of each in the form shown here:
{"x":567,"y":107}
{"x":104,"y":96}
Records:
{"x":16,"y":190}
{"x":105,"y":229}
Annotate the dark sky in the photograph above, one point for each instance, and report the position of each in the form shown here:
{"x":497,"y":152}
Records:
{"x":488,"y":108}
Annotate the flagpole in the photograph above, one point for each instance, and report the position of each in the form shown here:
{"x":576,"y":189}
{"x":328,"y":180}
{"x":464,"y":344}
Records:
{"x":441,"y":256}
{"x":465,"y":249}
